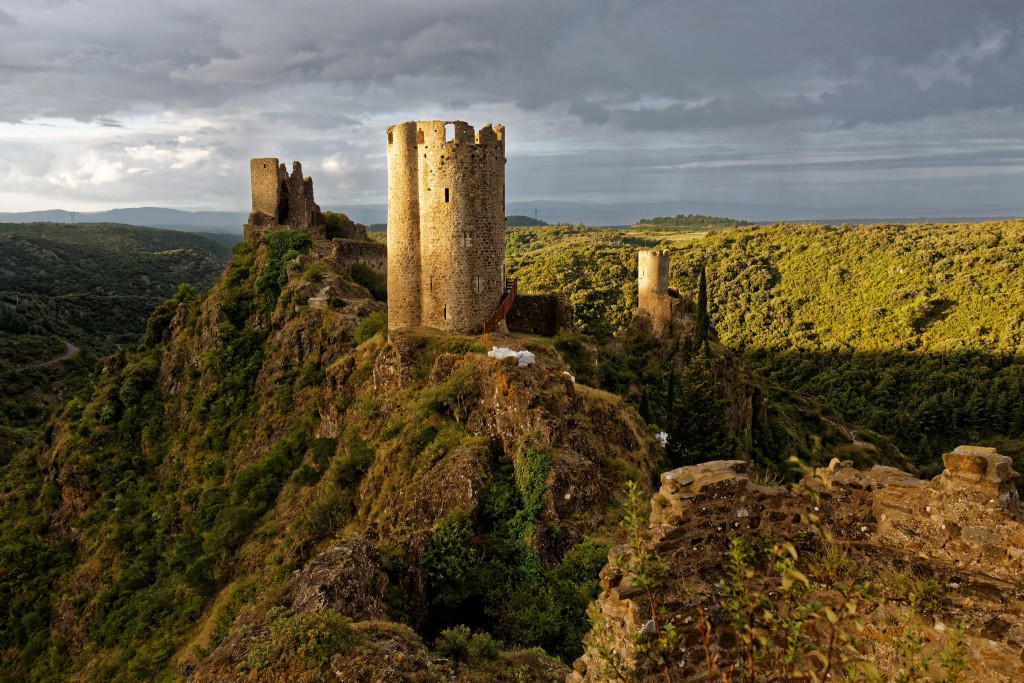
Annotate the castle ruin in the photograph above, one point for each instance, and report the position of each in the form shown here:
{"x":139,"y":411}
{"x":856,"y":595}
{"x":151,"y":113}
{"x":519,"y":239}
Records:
{"x":280,"y":200}
{"x":661,"y":303}
{"x":446,"y":226}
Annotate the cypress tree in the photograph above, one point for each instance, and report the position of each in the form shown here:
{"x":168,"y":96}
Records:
{"x":670,"y":401}
{"x":645,"y":405}
{"x":701,"y":325}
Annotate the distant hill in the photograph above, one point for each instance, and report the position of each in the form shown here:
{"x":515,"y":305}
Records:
{"x":149,"y":216}
{"x":92,"y":286}
{"x":522,"y":221}
{"x":691,"y":221}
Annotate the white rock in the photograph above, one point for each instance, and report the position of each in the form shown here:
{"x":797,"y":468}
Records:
{"x":524,"y":357}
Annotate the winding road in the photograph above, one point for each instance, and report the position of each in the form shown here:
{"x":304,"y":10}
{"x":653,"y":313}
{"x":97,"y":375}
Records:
{"x":70,"y":351}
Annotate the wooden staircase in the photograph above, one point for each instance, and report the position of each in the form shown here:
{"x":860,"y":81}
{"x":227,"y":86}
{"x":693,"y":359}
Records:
{"x":511,"y":287}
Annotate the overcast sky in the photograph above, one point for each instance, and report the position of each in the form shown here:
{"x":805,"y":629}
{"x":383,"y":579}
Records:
{"x":911,"y":107}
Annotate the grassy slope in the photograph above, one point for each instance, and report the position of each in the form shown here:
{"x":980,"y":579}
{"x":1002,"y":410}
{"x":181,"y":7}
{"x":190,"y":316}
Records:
{"x":194,"y":475}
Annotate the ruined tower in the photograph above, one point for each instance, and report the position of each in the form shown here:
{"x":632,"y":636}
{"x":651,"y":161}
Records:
{"x":446,"y":225}
{"x":280,"y":200}
{"x":655,"y":298}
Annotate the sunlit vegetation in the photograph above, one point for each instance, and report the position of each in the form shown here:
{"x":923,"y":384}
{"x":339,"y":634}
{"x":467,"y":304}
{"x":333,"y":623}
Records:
{"x":916,"y":332}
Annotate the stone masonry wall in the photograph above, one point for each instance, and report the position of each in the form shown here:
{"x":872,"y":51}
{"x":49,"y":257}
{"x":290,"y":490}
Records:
{"x":458,"y":219}
{"x":544,"y":314}
{"x":403,"y":236}
{"x":268,"y":177}
{"x":345,"y":253}
{"x":965,"y":528}
{"x":280,"y":200}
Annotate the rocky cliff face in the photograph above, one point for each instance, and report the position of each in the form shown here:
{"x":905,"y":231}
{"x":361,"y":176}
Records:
{"x":938,"y":552}
{"x":262,"y":463}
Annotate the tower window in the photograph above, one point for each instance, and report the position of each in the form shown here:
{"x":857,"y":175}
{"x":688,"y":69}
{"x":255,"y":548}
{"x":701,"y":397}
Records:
{"x":419,"y":136}
{"x":446,"y":195}
{"x":478,"y":285}
{"x":466,"y":239}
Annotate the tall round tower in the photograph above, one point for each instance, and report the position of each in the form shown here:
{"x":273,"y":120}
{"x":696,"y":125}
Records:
{"x":403,"y":233}
{"x":462,"y":225}
{"x":450,"y":192}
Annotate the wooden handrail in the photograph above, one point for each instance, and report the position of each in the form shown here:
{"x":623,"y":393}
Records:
{"x":511,"y":289}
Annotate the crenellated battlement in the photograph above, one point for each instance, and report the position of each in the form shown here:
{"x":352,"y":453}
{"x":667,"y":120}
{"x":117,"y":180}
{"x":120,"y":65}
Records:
{"x":435,"y":135}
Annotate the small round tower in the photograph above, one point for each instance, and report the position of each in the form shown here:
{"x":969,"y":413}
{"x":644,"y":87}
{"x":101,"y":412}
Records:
{"x":403,"y":233}
{"x":652,"y":275}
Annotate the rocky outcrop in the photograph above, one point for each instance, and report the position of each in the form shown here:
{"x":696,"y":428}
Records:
{"x":346,"y":578}
{"x":957,"y":536}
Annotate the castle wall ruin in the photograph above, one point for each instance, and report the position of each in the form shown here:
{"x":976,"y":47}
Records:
{"x":543,"y":314}
{"x":446,"y":225}
{"x":345,"y":253}
{"x":282,"y":201}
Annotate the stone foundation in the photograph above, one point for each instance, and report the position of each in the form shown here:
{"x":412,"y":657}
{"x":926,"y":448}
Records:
{"x":543,"y":314}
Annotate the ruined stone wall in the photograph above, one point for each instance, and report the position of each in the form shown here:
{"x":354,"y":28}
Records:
{"x":964,"y":529}
{"x":345,"y":253}
{"x":456,"y":211}
{"x":544,"y":314}
{"x":280,"y":200}
{"x":268,"y":177}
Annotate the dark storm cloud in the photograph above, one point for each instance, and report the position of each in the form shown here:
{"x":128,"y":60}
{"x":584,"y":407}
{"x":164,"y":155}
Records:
{"x":210,"y":80}
{"x":655,"y":64}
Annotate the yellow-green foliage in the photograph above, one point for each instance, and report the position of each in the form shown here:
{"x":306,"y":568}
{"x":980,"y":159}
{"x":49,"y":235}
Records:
{"x":916,"y":332}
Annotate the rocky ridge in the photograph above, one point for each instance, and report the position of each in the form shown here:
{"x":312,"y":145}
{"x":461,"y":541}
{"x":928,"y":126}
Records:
{"x":959,"y":537}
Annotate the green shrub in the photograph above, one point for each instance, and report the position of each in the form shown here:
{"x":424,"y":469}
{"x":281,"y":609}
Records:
{"x":462,"y":645}
{"x":325,"y":516}
{"x":351,"y":469}
{"x":374,"y":282}
{"x":283,"y":246}
{"x":369,"y":326}
{"x":453,"y":643}
{"x":454,"y":396}
{"x":315,"y":271}
{"x":451,"y":562}
{"x":301,"y":642}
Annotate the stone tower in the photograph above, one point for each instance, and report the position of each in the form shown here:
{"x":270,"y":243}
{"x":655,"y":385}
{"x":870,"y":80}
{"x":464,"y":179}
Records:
{"x":280,"y":200}
{"x":446,"y":225}
{"x":652,"y":276}
{"x":654,"y":296}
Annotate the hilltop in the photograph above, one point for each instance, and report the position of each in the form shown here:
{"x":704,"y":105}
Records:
{"x":690,"y":221}
{"x":160,"y":524}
